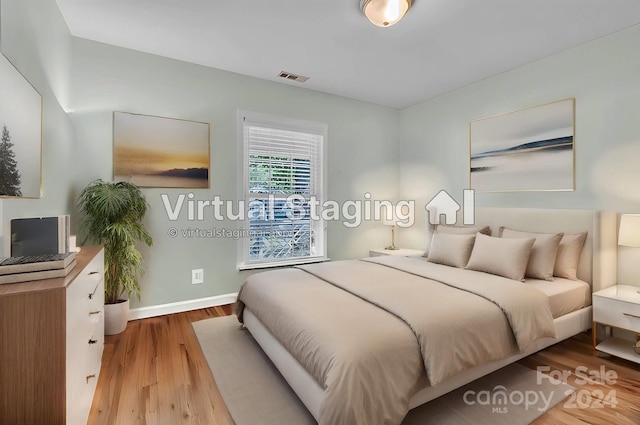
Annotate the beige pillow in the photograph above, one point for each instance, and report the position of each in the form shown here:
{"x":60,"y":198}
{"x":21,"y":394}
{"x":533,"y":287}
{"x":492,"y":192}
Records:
{"x":457,"y":230}
{"x":463,"y":230}
{"x":543,"y":253}
{"x":568,"y":257}
{"x":450,"y":249}
{"x":502,"y":257}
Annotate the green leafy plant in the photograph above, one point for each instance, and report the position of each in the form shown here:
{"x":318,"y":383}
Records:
{"x":111,"y":214}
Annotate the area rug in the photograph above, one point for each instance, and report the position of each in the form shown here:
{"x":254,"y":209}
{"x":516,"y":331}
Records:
{"x":256,"y":394}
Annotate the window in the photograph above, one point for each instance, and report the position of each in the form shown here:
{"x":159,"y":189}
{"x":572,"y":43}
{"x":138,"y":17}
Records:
{"x":282,"y":175}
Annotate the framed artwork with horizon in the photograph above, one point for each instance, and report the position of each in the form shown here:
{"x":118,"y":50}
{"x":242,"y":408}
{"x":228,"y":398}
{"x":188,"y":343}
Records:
{"x":152,"y":151}
{"x":20,"y":135}
{"x":527,"y":150}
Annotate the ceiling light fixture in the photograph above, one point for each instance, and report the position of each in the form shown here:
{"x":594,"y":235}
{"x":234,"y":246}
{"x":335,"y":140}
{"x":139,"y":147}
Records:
{"x":384,"y":13}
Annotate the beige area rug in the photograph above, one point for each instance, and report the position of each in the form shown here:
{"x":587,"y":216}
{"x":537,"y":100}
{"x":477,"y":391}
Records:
{"x":256,"y":394}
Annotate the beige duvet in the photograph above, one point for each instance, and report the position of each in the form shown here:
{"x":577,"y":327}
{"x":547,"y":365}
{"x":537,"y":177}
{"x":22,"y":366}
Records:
{"x":373,"y":332}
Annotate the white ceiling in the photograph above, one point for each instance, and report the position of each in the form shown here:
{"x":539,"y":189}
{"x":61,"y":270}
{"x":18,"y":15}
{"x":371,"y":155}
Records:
{"x":440,"y":45}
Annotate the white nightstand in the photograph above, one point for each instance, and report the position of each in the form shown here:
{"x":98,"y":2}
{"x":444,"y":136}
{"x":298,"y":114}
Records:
{"x":618,"y":307}
{"x":401,"y":251}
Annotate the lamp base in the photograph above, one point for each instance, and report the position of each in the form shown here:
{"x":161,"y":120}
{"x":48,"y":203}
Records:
{"x":391,"y":248}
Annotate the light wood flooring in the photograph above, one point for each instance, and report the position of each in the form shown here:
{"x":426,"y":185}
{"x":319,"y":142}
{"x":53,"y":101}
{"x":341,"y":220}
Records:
{"x":155,"y":373}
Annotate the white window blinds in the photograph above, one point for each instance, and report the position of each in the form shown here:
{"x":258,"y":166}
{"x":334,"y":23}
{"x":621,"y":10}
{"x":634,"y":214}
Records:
{"x":283,"y":162}
{"x":282,"y":175}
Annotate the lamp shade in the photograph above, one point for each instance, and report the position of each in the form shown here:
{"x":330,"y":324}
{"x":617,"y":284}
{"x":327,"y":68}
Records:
{"x":390,"y":218}
{"x":384,"y":13}
{"x":629,"y":234}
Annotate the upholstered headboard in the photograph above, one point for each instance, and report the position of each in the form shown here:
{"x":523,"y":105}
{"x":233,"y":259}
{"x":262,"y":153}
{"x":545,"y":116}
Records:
{"x":598,"y":261}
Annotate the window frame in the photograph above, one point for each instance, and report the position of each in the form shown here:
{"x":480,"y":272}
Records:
{"x":288,"y":124}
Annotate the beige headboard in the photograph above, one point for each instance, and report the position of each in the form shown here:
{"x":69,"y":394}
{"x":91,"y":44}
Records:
{"x":598,"y":261}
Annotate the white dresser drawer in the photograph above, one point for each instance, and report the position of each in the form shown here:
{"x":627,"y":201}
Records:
{"x":83,"y":311}
{"x":84,"y":365}
{"x":618,"y":307}
{"x":80,"y":398}
{"x":85,"y":339}
{"x":617,"y":313}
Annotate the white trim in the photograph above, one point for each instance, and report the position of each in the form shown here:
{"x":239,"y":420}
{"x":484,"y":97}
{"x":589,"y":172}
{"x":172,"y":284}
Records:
{"x":292,"y":262}
{"x":289,"y":124}
{"x":181,"y":306}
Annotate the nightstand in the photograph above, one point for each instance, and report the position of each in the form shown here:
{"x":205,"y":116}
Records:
{"x":617,"y":307}
{"x":404,"y":252}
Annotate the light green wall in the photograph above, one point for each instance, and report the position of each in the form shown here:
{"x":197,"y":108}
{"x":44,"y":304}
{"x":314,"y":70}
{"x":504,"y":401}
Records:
{"x":362,"y":153}
{"x":604,"y":78}
{"x":35,"y":38}
{"x":409,"y":154}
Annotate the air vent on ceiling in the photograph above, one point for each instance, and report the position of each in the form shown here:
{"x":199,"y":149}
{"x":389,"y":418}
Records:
{"x":294,"y":77}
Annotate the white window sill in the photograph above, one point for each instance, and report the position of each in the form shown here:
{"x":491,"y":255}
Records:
{"x":284,"y":263}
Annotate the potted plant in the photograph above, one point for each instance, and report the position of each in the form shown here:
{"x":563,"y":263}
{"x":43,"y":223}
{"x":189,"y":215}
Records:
{"x":111,"y":214}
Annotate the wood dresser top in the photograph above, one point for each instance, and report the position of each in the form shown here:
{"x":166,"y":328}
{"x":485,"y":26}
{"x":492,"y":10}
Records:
{"x":83,"y":258}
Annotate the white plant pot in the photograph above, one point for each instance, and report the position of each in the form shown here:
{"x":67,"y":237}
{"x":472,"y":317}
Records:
{"x":116,"y":317}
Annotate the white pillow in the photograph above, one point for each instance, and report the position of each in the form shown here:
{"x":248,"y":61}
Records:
{"x":502,"y":257}
{"x":451,"y":249}
{"x":543,"y":253}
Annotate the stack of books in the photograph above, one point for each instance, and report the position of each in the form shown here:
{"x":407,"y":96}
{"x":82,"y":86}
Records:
{"x":36,"y":267}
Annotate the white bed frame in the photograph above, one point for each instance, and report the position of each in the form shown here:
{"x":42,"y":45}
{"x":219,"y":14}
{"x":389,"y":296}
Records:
{"x":597,"y":266}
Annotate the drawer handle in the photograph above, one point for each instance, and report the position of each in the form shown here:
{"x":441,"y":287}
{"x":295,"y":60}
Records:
{"x":90,"y":377}
{"x":631,"y":315}
{"x":93,"y":341}
{"x":91,"y":313}
{"x":94,"y":292}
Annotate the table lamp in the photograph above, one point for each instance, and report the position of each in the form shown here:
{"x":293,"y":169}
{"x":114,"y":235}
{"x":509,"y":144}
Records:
{"x":629,"y":235}
{"x":391,"y":222}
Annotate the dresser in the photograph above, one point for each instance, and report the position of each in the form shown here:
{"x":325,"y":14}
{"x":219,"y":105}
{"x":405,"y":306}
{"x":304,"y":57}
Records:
{"x":51,"y":341}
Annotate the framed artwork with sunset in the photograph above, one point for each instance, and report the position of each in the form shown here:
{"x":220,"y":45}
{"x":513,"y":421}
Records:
{"x":151,"y":151}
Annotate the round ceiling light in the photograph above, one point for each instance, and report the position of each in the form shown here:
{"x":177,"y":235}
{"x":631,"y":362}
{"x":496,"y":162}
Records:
{"x":384,"y":13}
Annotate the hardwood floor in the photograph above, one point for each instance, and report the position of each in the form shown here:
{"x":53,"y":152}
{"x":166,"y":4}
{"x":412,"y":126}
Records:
{"x":155,"y":373}
{"x":611,"y":396}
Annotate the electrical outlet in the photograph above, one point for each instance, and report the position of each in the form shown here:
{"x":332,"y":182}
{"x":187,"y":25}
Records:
{"x":197,"y":276}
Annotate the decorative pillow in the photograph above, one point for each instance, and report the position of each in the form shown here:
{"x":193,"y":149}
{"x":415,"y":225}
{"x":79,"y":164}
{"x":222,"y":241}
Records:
{"x":568,"y":257}
{"x":543,"y":253}
{"x":457,"y":230}
{"x":450,"y":249}
{"x":463,"y":230}
{"x":502,"y":257}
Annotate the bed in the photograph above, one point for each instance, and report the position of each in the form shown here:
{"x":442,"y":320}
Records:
{"x":372,"y":359}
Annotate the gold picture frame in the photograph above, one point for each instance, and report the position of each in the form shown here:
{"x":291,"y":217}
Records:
{"x":532,"y":149}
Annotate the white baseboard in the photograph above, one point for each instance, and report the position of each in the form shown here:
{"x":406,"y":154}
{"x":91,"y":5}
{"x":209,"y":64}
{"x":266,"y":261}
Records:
{"x":181,"y":306}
